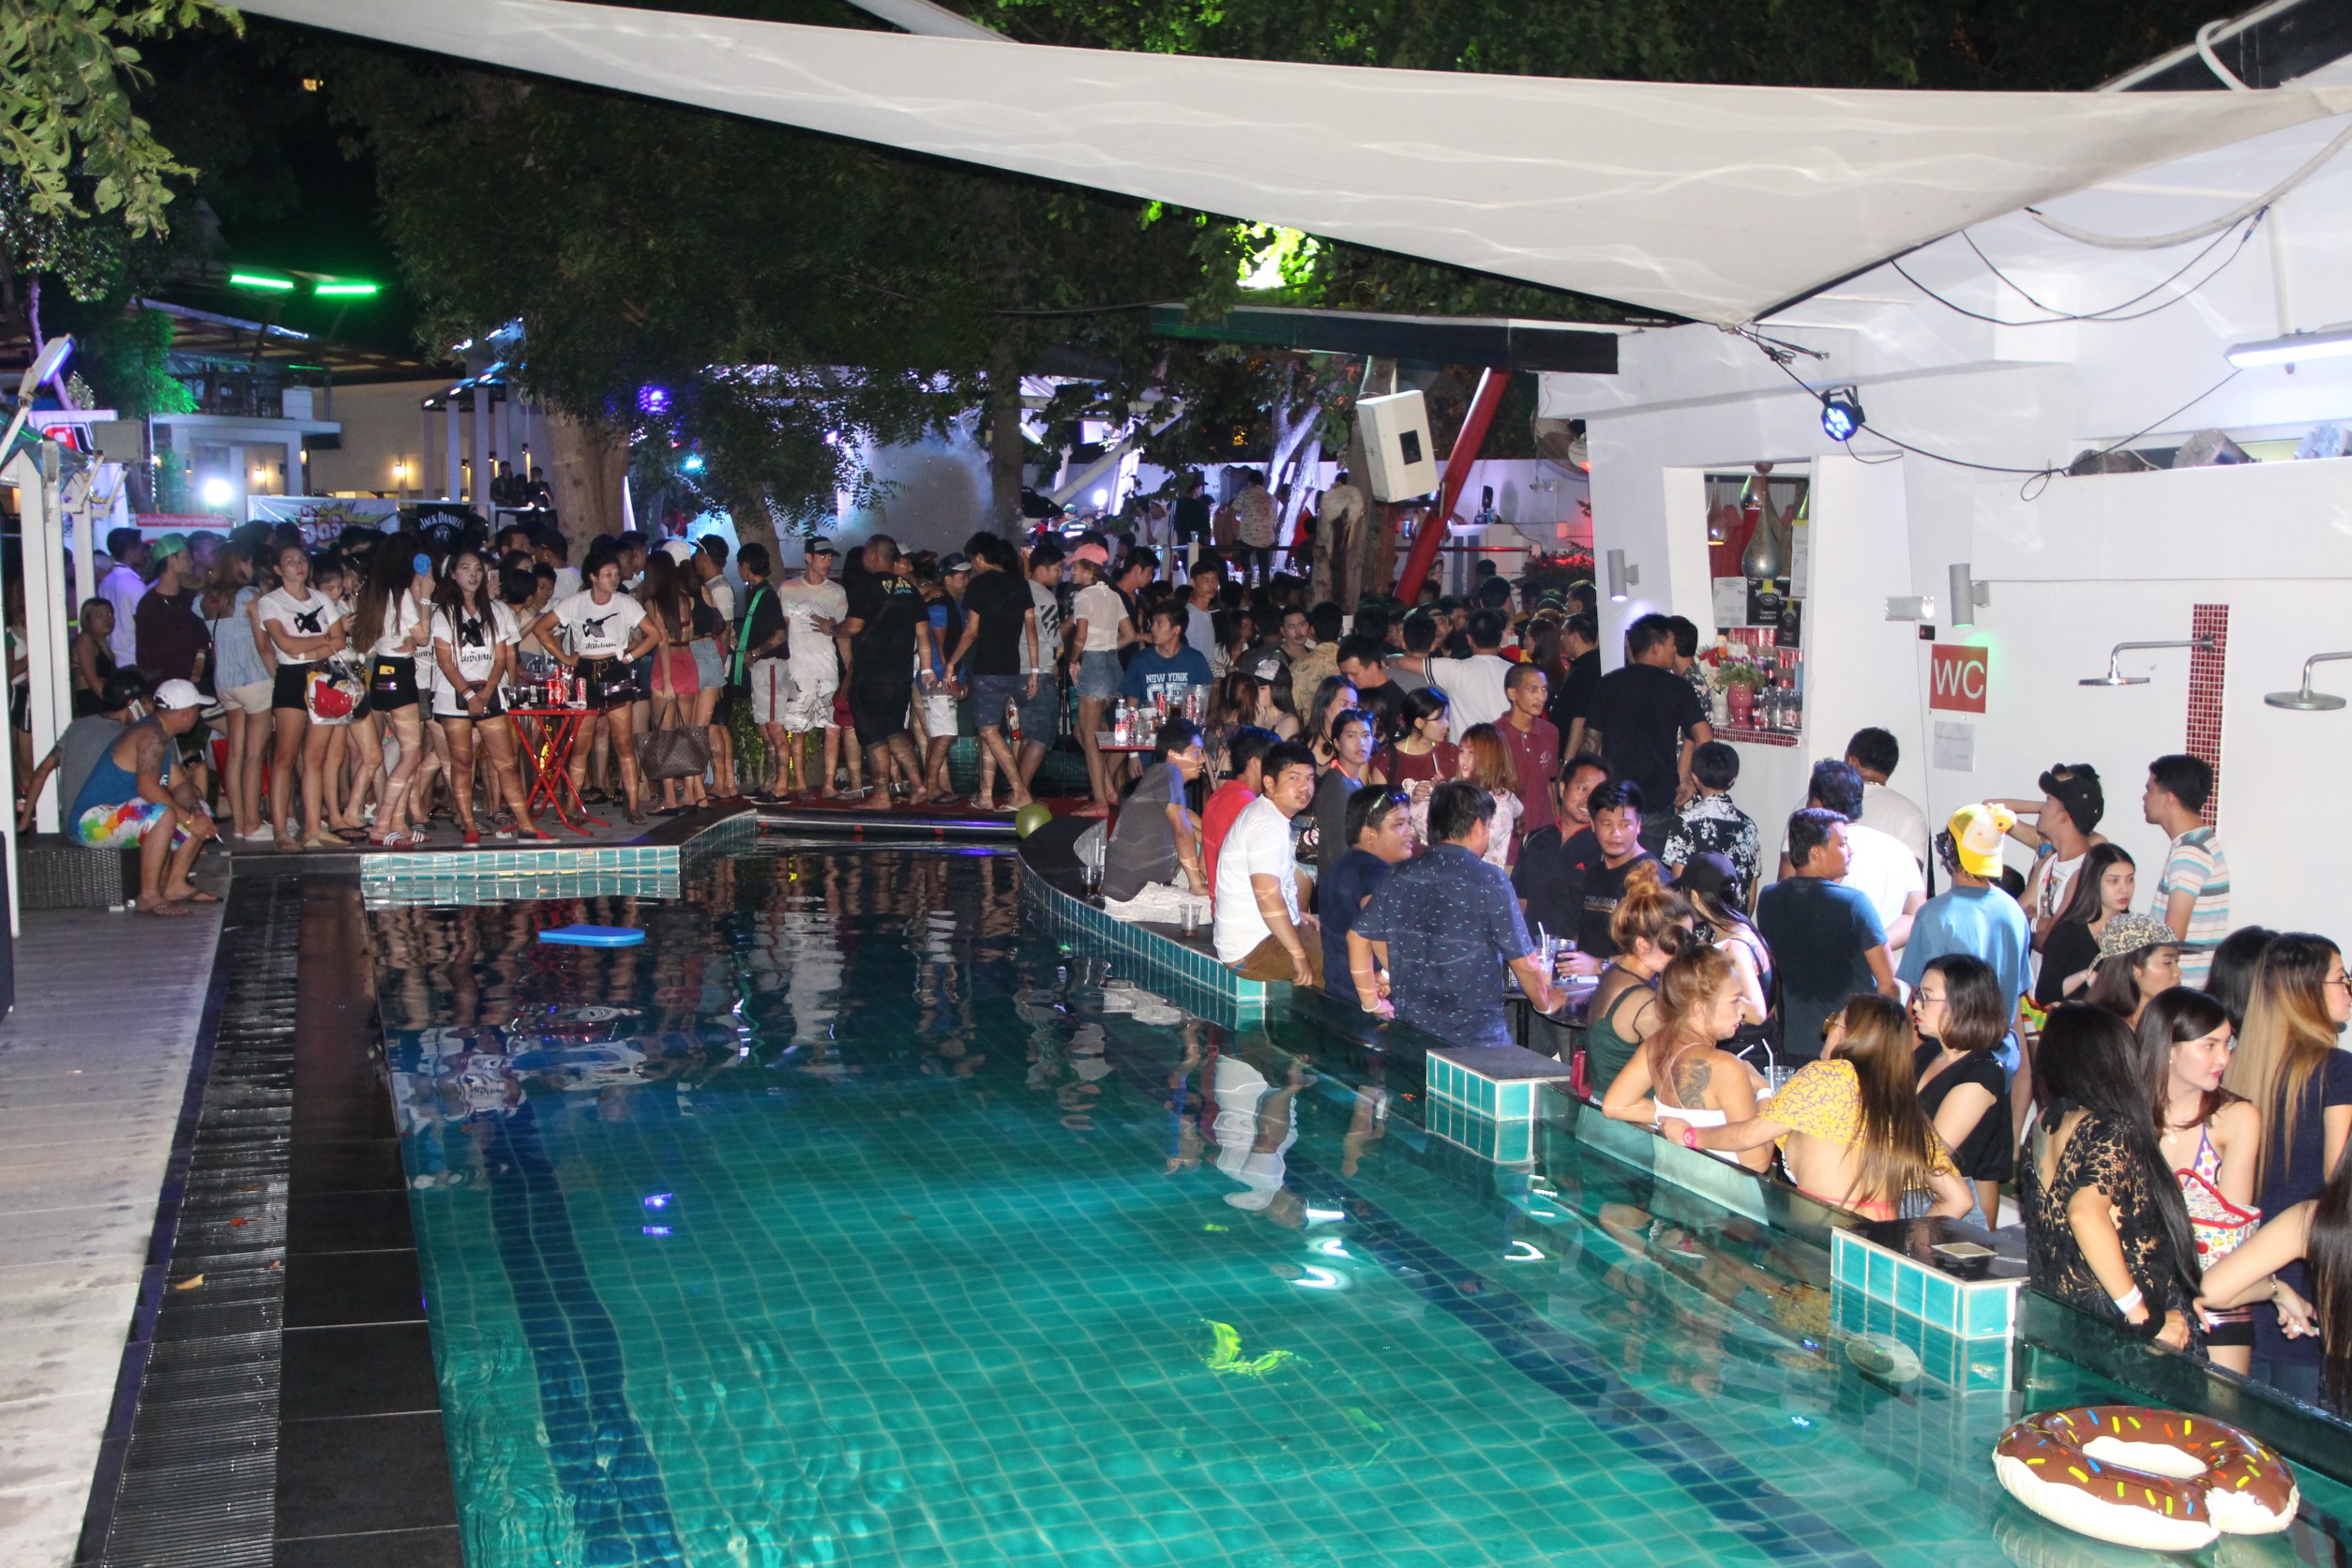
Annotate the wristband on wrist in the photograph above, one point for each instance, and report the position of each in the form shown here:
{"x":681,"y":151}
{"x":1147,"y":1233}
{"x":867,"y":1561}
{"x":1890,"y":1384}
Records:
{"x":1690,"y":1137}
{"x":2127,"y":1304}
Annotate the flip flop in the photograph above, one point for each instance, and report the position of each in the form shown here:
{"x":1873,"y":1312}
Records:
{"x":197,"y":896}
{"x":164,"y":908}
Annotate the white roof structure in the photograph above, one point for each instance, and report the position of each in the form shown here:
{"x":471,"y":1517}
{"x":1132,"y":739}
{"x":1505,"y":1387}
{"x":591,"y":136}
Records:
{"x":1709,"y":202}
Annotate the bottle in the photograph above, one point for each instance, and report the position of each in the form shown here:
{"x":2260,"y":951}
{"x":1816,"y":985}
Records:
{"x":1013,"y":720}
{"x":1122,"y":725}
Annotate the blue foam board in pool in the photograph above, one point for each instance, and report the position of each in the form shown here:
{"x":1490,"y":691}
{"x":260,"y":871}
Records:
{"x":594,"y":935}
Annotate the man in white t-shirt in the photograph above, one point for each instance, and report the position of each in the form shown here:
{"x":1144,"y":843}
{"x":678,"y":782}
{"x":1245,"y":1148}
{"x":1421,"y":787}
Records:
{"x":1258,"y":929}
{"x":1474,"y":685}
{"x":123,"y":588}
{"x":1879,"y":865}
{"x":2061,"y":829}
{"x":1874,"y":754}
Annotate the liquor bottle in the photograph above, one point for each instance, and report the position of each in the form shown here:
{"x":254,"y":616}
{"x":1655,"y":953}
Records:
{"x":1122,"y":725}
{"x":1013,"y":720}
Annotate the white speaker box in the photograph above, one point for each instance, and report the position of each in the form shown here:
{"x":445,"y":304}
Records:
{"x":1396,"y":443}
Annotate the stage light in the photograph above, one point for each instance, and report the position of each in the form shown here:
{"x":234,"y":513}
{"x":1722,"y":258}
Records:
{"x":693,"y":463}
{"x":1842,"y":415}
{"x":652,"y":402}
{"x":257,"y":280}
{"x":216,"y":492}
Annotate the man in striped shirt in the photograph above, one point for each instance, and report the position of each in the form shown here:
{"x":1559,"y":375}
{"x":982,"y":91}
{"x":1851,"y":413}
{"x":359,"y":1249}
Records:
{"x":2192,"y":893}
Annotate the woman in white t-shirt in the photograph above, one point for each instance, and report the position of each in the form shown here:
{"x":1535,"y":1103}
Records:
{"x":603,"y":630}
{"x":1099,"y":627}
{"x":391,"y":623}
{"x":294,"y":628}
{"x":475,"y":639}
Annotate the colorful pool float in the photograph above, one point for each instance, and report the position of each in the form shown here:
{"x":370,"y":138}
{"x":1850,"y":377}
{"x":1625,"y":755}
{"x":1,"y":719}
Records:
{"x":2144,"y":1477}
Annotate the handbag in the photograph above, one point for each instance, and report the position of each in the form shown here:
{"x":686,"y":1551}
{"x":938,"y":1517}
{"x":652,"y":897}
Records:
{"x":334,"y":689}
{"x":684,"y":752}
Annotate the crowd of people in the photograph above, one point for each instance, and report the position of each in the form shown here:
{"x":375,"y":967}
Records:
{"x":1894,"y":1018}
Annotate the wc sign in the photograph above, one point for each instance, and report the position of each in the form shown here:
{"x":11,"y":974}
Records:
{"x":1957,"y":678}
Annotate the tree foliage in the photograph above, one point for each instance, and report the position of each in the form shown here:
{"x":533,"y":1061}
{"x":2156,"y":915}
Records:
{"x":874,"y":294}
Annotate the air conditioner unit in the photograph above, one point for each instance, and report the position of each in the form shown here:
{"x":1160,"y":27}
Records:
{"x":1396,"y":443}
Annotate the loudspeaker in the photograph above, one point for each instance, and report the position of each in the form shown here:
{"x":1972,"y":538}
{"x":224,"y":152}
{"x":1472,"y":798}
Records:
{"x":1397,"y":445}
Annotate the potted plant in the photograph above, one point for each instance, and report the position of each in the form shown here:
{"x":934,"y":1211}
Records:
{"x":1737,"y":677}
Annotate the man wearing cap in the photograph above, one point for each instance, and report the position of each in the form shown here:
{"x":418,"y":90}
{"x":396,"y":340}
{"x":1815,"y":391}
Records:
{"x":132,"y":796}
{"x":2062,"y":832}
{"x":171,"y":641}
{"x":1974,"y":915}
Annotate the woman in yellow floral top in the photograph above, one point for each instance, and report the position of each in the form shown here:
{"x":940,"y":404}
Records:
{"x":1849,"y":1126}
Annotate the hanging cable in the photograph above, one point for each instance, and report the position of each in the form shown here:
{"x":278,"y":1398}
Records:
{"x":2197,"y":232}
{"x":2107,"y":313}
{"x":1779,"y":356}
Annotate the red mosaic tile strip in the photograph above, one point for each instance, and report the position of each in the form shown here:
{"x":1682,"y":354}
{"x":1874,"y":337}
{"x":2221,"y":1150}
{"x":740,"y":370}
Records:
{"x":2206,"y":670}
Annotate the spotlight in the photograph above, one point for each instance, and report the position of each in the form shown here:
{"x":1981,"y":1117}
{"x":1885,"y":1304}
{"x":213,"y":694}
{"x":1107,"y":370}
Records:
{"x":1622,"y":574}
{"x":1842,"y":415}
{"x":693,"y":463}
{"x":216,"y":492}
{"x":652,"y":402}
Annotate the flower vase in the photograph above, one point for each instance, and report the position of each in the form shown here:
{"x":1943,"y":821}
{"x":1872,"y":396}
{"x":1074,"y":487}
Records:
{"x":1742,"y":698}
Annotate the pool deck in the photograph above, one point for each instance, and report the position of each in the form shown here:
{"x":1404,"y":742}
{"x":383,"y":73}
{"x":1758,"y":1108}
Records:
{"x":93,"y":1079}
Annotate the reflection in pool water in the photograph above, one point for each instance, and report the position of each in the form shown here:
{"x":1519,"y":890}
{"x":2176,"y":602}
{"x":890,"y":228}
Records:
{"x":842,"y":1222}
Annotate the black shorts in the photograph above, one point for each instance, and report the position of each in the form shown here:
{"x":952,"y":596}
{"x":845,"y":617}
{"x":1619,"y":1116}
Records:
{"x":287,"y":687}
{"x":391,"y":685}
{"x":611,"y":683}
{"x":878,"y":710}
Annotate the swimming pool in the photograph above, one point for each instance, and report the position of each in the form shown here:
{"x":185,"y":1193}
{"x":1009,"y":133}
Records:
{"x":845,"y":1223}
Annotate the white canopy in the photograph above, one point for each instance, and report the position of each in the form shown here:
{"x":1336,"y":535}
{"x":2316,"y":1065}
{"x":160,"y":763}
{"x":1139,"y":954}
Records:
{"x":1713,"y":203}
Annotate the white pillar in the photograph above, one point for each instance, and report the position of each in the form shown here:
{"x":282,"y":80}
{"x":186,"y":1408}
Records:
{"x":481,"y":448}
{"x":424,"y":454}
{"x":48,"y":667}
{"x":31,"y":497}
{"x":455,"y":475}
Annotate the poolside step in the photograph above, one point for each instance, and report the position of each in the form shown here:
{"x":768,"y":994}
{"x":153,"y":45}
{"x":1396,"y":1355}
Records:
{"x":1502,"y":1082}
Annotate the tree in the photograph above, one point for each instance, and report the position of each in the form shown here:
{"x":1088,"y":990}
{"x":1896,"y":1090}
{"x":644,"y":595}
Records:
{"x":80,"y":175}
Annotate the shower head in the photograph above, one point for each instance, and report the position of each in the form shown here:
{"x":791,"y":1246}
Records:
{"x":2114,"y":675}
{"x":2305,"y":699}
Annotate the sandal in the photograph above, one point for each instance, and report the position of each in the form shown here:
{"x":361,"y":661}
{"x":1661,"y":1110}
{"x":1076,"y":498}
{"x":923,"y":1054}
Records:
{"x":288,"y":846}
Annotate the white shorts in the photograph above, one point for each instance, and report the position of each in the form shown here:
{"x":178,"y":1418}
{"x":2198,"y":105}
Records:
{"x":770,"y":690}
{"x":809,"y":703}
{"x":253,"y":699}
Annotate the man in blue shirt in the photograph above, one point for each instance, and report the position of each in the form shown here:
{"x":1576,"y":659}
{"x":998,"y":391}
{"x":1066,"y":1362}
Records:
{"x":1444,"y":925}
{"x":1825,"y":938}
{"x":1167,"y":667}
{"x":1380,"y":835}
{"x":1974,"y":917}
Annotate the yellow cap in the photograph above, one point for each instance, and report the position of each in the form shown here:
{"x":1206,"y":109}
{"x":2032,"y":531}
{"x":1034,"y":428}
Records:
{"x":1977,"y":830}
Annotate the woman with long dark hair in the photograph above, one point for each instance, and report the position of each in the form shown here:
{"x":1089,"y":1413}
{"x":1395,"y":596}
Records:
{"x":391,"y":622}
{"x":1420,"y":757}
{"x":475,"y":637}
{"x":2287,"y":1063}
{"x":2101,"y":889}
{"x":1336,"y":694}
{"x":1712,"y":883}
{"x":2314,"y":1238}
{"x":603,"y":631}
{"x":2107,"y":1229}
{"x":674,"y":608}
{"x":1651,"y":924}
{"x":2210,"y":1137}
{"x":297,"y":627}
{"x":1850,"y":1126}
{"x":1962,"y":1017}
{"x":242,"y":680}
{"x":2229,"y":978}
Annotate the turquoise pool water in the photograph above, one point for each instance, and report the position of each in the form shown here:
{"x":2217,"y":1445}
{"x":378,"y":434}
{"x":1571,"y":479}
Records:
{"x":842,"y":1223}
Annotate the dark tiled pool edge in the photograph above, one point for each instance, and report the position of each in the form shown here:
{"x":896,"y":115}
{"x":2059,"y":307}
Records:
{"x":278,"y":1401}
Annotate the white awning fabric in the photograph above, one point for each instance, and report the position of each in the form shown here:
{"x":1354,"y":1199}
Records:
{"x":1711,"y":202}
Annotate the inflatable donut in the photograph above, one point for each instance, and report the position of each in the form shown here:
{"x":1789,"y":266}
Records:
{"x":2142,"y":1477}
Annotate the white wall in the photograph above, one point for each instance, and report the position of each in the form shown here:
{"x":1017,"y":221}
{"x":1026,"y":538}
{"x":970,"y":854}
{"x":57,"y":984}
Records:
{"x":2076,"y":564}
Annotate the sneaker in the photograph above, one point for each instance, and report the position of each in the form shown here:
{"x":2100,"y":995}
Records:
{"x":502,"y":826}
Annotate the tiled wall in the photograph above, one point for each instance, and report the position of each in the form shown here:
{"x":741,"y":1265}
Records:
{"x":497,"y":876}
{"x":1985,"y":1309}
{"x":2206,"y":670}
{"x":1514,"y":1100}
{"x":1503,"y":1142}
{"x":1979,"y":1366}
{"x":1194,"y":980}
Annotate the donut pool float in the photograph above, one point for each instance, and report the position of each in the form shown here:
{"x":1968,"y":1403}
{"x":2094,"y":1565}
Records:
{"x":2144,"y":1477}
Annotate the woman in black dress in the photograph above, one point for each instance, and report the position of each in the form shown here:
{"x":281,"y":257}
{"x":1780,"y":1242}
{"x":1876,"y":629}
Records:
{"x":2106,"y":1231}
{"x":2100,"y":891}
{"x":1961,"y":1016}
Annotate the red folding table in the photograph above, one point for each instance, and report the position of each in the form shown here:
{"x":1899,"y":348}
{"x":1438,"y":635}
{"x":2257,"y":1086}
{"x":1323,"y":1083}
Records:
{"x":552,"y":764}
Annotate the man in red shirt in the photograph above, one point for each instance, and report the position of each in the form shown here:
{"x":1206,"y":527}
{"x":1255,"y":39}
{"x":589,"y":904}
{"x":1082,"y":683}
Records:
{"x":1533,"y":743}
{"x":1245,"y":754}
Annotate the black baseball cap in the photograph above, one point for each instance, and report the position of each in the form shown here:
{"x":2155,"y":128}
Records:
{"x":957,"y":562}
{"x":2075,"y":786}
